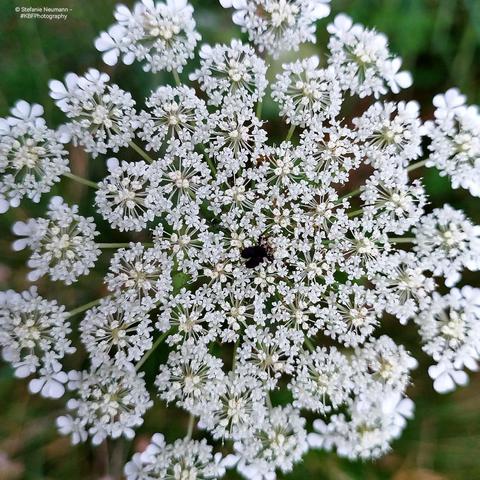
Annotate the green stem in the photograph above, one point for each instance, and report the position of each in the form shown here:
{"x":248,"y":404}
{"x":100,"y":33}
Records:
{"x":84,"y":307}
{"x":158,"y":341}
{"x":414,"y":166}
{"x":355,"y":213}
{"x":309,"y":344}
{"x":351,"y":194}
{"x":176,"y":77}
{"x":259,"y":109}
{"x":402,"y":240}
{"x":81,"y":180}
{"x":209,"y":161}
{"x":191,"y":424}
{"x":112,"y":245}
{"x":141,"y":152}
{"x":290,"y":133}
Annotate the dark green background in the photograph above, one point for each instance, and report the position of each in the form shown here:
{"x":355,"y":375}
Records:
{"x":439,"y":42}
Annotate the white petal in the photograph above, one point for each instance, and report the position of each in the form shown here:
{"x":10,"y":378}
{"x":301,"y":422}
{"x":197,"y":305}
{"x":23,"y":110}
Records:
{"x":4,"y":205}
{"x":36,"y":384}
{"x":53,"y":389}
{"x":444,"y":383}
{"x":111,"y":57}
{"x":404,"y":79}
{"x":315,"y":440}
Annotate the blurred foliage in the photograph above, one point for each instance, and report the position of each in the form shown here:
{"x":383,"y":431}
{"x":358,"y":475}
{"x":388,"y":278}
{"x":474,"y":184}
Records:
{"x":439,"y":41}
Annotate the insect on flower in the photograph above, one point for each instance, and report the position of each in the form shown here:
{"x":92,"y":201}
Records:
{"x":257,"y":254}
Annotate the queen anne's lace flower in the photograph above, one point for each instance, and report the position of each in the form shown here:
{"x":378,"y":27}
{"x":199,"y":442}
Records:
{"x":455,"y":147}
{"x":322,"y":381}
{"x":232,"y":69}
{"x":279,"y":444}
{"x":62,"y":245}
{"x":450,"y":330}
{"x":140,"y":274}
{"x":34,"y":336}
{"x":118,"y":329}
{"x":121,"y":196}
{"x":277,"y":25}
{"x":307,"y":95}
{"x":448,"y":242}
{"x":173,"y":113}
{"x":191,"y":376}
{"x":374,"y":423}
{"x":102,"y":116}
{"x":182,"y":459}
{"x":405,"y":287}
{"x":162,"y":35}
{"x":32,"y":158}
{"x":392,"y":130}
{"x":392,"y":204}
{"x":108,"y":401}
{"x":259,"y":270}
{"x":362,"y":60}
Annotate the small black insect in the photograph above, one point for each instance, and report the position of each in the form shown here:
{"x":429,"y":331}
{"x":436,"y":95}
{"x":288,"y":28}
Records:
{"x":256,"y":254}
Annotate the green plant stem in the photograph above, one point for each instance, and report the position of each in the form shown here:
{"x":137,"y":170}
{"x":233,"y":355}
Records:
{"x":176,"y":77}
{"x":259,"y":109}
{"x":351,"y":194}
{"x":84,"y":307}
{"x":290,"y":133}
{"x":141,"y":152}
{"x":416,"y":165}
{"x":191,"y":424}
{"x":81,"y":180}
{"x":309,"y":344}
{"x":208,"y":160}
{"x":158,"y":341}
{"x":402,"y":240}
{"x":355,"y":213}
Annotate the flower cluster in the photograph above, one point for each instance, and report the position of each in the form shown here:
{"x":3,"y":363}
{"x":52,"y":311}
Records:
{"x":455,"y":136}
{"x":32,"y":156}
{"x":162,"y":35}
{"x":101,"y":116}
{"x":261,"y":277}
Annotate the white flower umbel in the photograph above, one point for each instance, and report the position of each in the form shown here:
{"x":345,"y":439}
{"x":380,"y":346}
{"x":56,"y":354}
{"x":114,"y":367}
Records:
{"x":140,"y":274}
{"x":278,"y":25}
{"x":322,"y":380}
{"x":192,"y":377}
{"x":117,"y":331}
{"x":161,"y":35}
{"x":280,"y":443}
{"x":173,"y":113}
{"x":121,"y":196}
{"x":233,"y":69}
{"x":183,"y":459}
{"x":306,"y":94}
{"x":264,"y":267}
{"x":448,"y":242}
{"x":32,"y":158}
{"x":450,"y":331}
{"x":455,"y":135}
{"x":34,"y":337}
{"x":108,"y":402}
{"x":362,"y":60}
{"x":62,"y":245}
{"x":102,"y":116}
